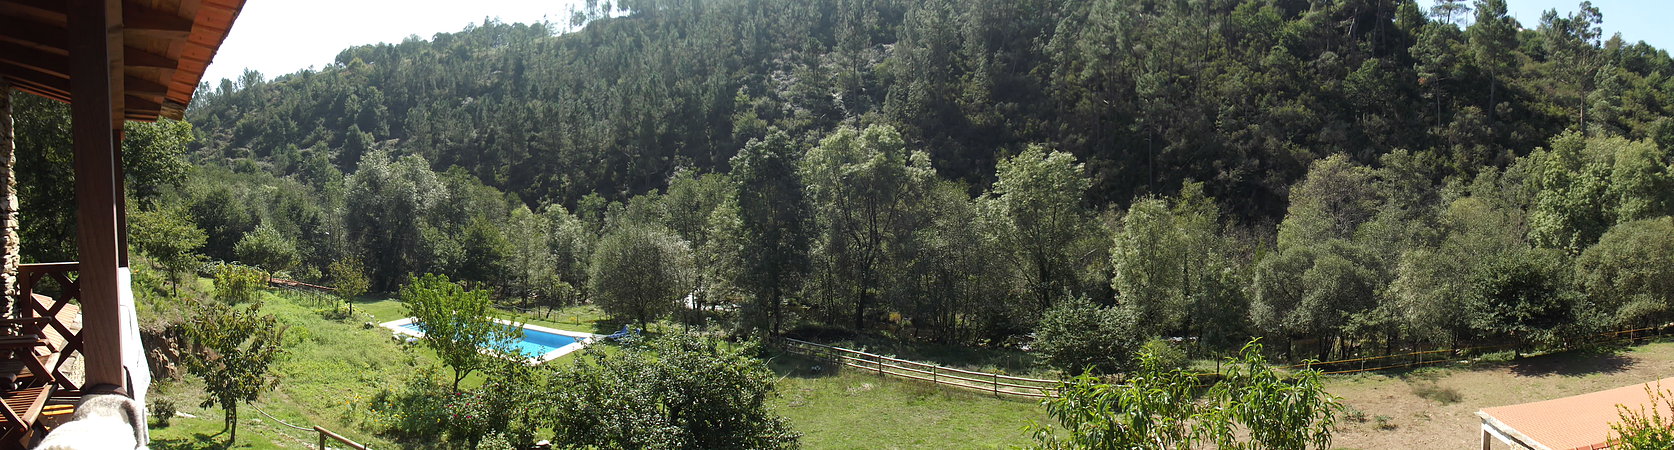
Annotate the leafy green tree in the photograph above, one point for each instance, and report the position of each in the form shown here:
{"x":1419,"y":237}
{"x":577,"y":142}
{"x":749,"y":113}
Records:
{"x":169,"y":237}
{"x":1527,"y":298}
{"x":1630,"y":272}
{"x":384,"y":203}
{"x":222,"y":214}
{"x":349,"y":278}
{"x":864,"y":186}
{"x":154,"y":157}
{"x":266,"y":248}
{"x":1570,"y":181}
{"x":1077,"y":336}
{"x":640,"y":272}
{"x":1432,"y":282}
{"x":673,"y":391}
{"x":1150,"y":266}
{"x":456,"y":322}
{"x":234,"y":351}
{"x":773,"y":223}
{"x":1040,"y":192}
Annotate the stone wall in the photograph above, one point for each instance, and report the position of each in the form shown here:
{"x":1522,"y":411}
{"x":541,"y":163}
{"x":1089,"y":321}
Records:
{"x":8,"y":197}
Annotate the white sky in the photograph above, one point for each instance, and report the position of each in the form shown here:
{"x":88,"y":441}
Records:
{"x":277,"y":37}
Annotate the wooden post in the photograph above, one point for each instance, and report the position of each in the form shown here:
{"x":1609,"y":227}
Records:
{"x":92,"y":23}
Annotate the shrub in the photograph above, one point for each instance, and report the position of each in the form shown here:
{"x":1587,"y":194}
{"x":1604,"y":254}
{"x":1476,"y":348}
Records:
{"x":673,"y":391}
{"x":1077,"y":336}
{"x":414,"y":411}
{"x":1645,"y":428}
{"x":1168,"y":355}
{"x":237,"y":283}
{"x":1155,"y":407}
{"x":162,"y":411}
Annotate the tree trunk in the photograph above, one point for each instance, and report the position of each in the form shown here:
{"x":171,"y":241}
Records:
{"x":9,"y":257}
{"x":776,"y":300}
{"x":232,"y":424}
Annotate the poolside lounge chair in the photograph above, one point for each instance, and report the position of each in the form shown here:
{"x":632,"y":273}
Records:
{"x":620,"y":334}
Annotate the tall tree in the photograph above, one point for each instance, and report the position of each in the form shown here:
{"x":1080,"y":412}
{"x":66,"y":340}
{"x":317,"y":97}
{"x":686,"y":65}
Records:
{"x":863,"y":186}
{"x":773,"y":222}
{"x":640,"y":272}
{"x":1040,"y":193}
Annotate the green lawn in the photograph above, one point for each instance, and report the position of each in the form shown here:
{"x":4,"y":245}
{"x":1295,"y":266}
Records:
{"x":331,"y":369}
{"x":854,"y":409}
{"x":334,"y":367}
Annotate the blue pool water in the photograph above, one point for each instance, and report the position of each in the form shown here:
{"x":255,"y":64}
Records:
{"x":533,"y":343}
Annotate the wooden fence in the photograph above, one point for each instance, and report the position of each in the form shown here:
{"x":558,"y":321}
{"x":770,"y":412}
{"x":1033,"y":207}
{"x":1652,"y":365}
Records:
{"x":886,"y":366}
{"x":1038,"y":388}
{"x":327,"y":434}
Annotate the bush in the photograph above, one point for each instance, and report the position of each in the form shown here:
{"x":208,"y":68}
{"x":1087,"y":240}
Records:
{"x":1077,"y":337}
{"x":162,"y":411}
{"x":415,"y":411}
{"x":1167,"y":355}
{"x":238,"y":284}
{"x":1645,"y":428}
{"x":672,"y":391}
{"x":1156,"y":407}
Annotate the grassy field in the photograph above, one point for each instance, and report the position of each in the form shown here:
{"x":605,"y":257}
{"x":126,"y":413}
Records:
{"x":335,"y":366}
{"x":852,"y":409}
{"x":1435,"y":407}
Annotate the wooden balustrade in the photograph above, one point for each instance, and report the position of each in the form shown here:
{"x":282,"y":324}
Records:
{"x":60,"y":310}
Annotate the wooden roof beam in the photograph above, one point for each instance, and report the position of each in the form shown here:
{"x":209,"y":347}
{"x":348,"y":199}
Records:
{"x":54,"y":8}
{"x":35,"y":59}
{"x":140,"y":20}
{"x":54,"y":39}
{"x":35,"y":34}
{"x":134,"y":57}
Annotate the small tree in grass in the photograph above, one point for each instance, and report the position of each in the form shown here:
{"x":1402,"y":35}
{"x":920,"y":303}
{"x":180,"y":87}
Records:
{"x":169,"y":237}
{"x":455,"y":321}
{"x":233,"y":350}
{"x":349,"y":279}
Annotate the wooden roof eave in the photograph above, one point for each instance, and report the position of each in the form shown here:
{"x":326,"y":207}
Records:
{"x":167,"y":45}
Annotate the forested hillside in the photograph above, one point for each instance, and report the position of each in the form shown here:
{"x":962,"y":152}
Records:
{"x":1354,"y":176}
{"x":1241,"y":95}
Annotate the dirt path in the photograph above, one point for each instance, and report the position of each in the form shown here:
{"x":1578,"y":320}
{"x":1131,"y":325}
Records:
{"x":1435,"y":408}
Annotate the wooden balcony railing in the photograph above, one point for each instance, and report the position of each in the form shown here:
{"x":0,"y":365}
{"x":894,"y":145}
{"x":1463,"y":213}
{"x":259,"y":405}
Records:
{"x":64,"y":325}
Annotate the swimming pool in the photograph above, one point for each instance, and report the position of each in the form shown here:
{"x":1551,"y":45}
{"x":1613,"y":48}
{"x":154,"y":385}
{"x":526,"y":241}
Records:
{"x":539,"y":344}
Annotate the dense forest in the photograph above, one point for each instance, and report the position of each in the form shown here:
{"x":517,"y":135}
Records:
{"x":1358,"y":174}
